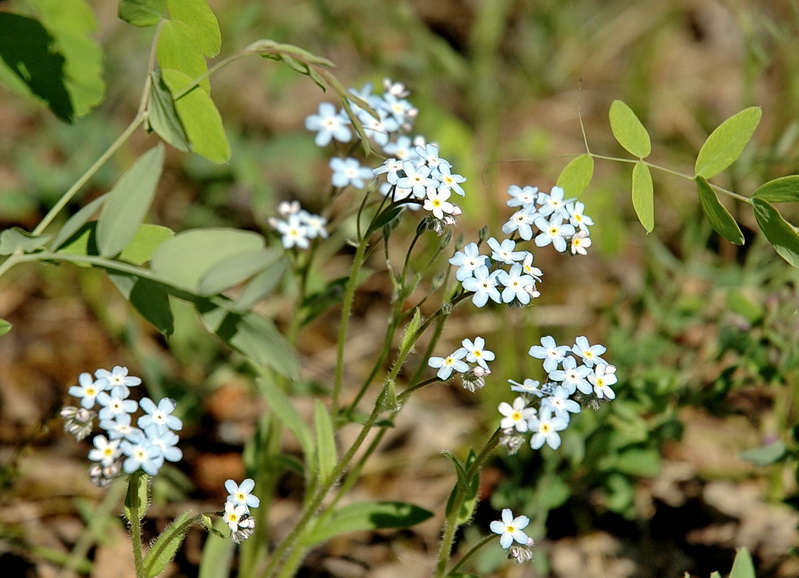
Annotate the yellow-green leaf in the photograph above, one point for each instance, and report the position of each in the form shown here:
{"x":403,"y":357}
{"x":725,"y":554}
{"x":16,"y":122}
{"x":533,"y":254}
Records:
{"x":782,"y":190}
{"x":200,"y":118}
{"x":628,"y":130}
{"x":577,"y":175}
{"x":781,"y":234}
{"x":141,"y":13}
{"x":643,"y":196}
{"x":718,"y":216}
{"x":727,"y":142}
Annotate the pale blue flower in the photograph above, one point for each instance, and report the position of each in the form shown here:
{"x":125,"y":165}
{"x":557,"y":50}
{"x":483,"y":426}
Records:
{"x":105,"y":452}
{"x":475,"y":352}
{"x":572,"y":376}
{"x":446,"y":365}
{"x":510,"y":528}
{"x":550,"y":352}
{"x":88,"y":390}
{"x":516,"y":284}
{"x":118,"y":376}
{"x":521,"y":197}
{"x":329,"y":124}
{"x":484,"y":285}
{"x":553,"y":231}
{"x":349,"y":172}
{"x":161,"y":415}
{"x":504,"y":252}
{"x":522,"y":222}
{"x":560,"y":404}
{"x":545,"y":428}
{"x":590,"y":353}
{"x":141,"y":455}
{"x":517,"y":415}
{"x":530,"y":386}
{"x":467,"y":261}
{"x":115,"y":403}
{"x":242,"y":493}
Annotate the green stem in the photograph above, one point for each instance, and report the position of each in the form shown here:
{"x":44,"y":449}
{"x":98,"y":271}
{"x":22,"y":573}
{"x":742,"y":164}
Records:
{"x":349,"y":297}
{"x":466,"y":557}
{"x":451,"y":522}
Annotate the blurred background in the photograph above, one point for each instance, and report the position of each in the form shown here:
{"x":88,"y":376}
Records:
{"x":705,"y":334}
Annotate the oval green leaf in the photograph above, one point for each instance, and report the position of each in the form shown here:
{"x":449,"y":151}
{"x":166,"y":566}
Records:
{"x":165,"y":546}
{"x":782,"y":190}
{"x":326,"y":456}
{"x":128,"y":202}
{"x":261,"y":285}
{"x":743,"y":567}
{"x":162,"y":116}
{"x":188,"y":256}
{"x":628,"y":130}
{"x":576,"y":176}
{"x":778,"y":231}
{"x":237,"y":269}
{"x":148,"y":298}
{"x":643,"y":196}
{"x":200,"y":118}
{"x":281,"y":405}
{"x":727,"y":142}
{"x":718,"y":216}
{"x":76,"y":221}
{"x":366,"y":516}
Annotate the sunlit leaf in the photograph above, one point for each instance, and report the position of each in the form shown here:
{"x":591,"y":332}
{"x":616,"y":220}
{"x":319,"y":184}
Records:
{"x":5,"y":326}
{"x":367,"y":516}
{"x":149,"y":298}
{"x":78,"y":220}
{"x":727,"y":142}
{"x":777,"y":230}
{"x":202,"y":21}
{"x":200,"y":118}
{"x":576,"y":176}
{"x":718,"y":216}
{"x":144,"y":243}
{"x":628,"y":130}
{"x":237,"y":269}
{"x":189,"y":255}
{"x":643,"y":196}
{"x":141,"y":13}
{"x":782,"y":190}
{"x":765,"y":455}
{"x":261,"y":285}
{"x":128,"y":202}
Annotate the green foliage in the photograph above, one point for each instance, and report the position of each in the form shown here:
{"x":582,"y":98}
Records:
{"x":643,"y":195}
{"x":629,"y":131}
{"x":719,"y":218}
{"x":52,"y":57}
{"x":326,"y":456}
{"x":366,"y":516}
{"x":163,"y":550}
{"x":727,"y":142}
{"x":576,"y":176}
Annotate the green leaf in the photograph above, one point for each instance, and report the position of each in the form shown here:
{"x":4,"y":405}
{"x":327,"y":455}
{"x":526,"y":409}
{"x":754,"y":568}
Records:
{"x":638,"y":462}
{"x":367,"y":516}
{"x":720,"y":219}
{"x":14,"y":239}
{"x":5,"y":326}
{"x":237,"y":269}
{"x":163,"y":549}
{"x":408,"y":340}
{"x":217,"y":555}
{"x":261,"y":285}
{"x":200,"y":118}
{"x":144,"y":243}
{"x":200,"y":18}
{"x":162,"y":116}
{"x":142,"y":13}
{"x":777,"y":230}
{"x":177,"y":50}
{"x":576,"y":176}
{"x":78,"y":220}
{"x":188,"y":256}
{"x":765,"y":455}
{"x":253,"y":335}
{"x":743,"y":566}
{"x":136,"y":501}
{"x":71,"y":24}
{"x":128,"y":202}
{"x":727,"y":142}
{"x":628,"y":130}
{"x":326,"y":456}
{"x":552,"y":492}
{"x":281,"y":405}
{"x":782,"y":190}
{"x":643,"y":196}
{"x":30,"y":67}
{"x":149,"y":298}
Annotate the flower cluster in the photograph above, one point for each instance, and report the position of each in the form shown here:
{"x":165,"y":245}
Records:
{"x":473,"y":376}
{"x":237,"y":509}
{"x":506,"y":267}
{"x":511,"y":537}
{"x":123,"y":446}
{"x":560,"y":222}
{"x":544,"y":409}
{"x":416,"y":176}
{"x":298,"y":227}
